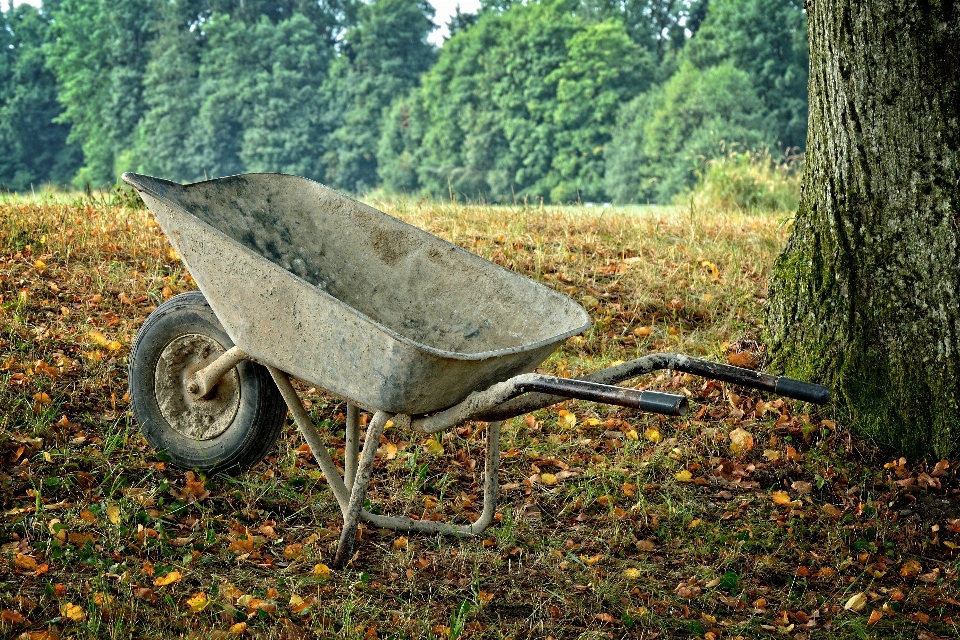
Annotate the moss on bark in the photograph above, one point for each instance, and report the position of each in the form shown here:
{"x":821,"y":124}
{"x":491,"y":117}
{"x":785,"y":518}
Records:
{"x":866,"y":295}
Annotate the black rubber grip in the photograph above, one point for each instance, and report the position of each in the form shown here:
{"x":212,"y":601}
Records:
{"x":666,"y":403}
{"x":799,"y":390}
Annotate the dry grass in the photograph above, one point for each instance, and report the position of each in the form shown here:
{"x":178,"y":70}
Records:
{"x":773,"y":538}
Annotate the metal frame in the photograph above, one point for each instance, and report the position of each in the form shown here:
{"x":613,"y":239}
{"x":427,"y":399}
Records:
{"x":493,"y":405}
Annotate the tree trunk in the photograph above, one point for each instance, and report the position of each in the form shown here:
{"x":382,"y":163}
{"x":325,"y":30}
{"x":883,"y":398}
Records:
{"x":866,"y":296}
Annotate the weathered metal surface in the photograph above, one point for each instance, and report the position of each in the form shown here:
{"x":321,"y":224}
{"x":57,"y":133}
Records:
{"x":188,"y":412}
{"x":350,"y":299}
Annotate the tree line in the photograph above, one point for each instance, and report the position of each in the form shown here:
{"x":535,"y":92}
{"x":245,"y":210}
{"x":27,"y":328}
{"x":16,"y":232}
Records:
{"x":564,"y":100}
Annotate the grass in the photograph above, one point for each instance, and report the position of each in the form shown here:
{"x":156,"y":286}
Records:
{"x":611,"y":523}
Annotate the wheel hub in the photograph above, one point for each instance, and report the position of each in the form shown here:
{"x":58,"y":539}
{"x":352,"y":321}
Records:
{"x":198,"y":418}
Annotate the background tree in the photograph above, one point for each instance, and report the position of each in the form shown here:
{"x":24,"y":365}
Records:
{"x":519,"y":105}
{"x":98,"y":53}
{"x":382,"y":57}
{"x":866,"y":296}
{"x":35,"y":149}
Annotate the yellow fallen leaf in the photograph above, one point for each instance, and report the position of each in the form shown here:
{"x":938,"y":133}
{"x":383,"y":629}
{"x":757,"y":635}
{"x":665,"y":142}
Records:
{"x":781,"y":497}
{"x":567,"y":419}
{"x":390,"y":451}
{"x":73,"y":612}
{"x":433,"y":446}
{"x":113,"y":513}
{"x":39,"y":265}
{"x":42,"y":398}
{"x":97,"y":338}
{"x":484,"y":597}
{"x":238,"y":629}
{"x":87,"y":516}
{"x":591,"y":560}
{"x":113,"y":345}
{"x":629,"y":489}
{"x":771,"y":454}
{"x":653,"y":435}
{"x":642,"y":332}
{"x":631,"y":434}
{"x":400,"y":543}
{"x":856,"y":602}
{"x":548,"y":479}
{"x":170,"y":578}
{"x":712,"y":268}
{"x":632,"y":573}
{"x":198,"y":602}
{"x":172,"y":254}
{"x":25,"y":562}
{"x":592,"y":422}
{"x":684,"y":476}
{"x":321,"y":571}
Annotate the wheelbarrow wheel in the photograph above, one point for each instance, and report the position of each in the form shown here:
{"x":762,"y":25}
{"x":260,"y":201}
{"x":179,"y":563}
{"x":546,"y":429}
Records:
{"x":231,"y":428}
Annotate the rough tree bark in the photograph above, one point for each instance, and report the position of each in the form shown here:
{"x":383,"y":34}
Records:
{"x":866,"y":295}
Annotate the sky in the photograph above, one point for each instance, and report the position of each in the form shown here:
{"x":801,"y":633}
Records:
{"x":445,"y":9}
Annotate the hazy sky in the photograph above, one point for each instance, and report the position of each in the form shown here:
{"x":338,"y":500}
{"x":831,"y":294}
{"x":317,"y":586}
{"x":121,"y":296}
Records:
{"x":445,"y":9}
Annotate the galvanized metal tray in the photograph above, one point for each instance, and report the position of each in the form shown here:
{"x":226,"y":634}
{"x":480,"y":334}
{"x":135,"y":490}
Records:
{"x":352,"y":300}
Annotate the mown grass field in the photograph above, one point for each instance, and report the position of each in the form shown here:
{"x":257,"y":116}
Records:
{"x":749,"y":517}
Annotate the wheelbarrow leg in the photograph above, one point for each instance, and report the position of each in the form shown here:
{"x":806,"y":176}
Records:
{"x":491,"y":487}
{"x":351,"y":517}
{"x":352,"y":449}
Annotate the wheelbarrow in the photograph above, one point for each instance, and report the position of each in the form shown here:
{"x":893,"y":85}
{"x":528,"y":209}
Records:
{"x":297,"y":280}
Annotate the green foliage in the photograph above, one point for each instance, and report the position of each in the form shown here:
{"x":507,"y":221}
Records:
{"x":384,"y":56}
{"x":766,"y":39}
{"x":34,"y":147}
{"x":519,"y":105}
{"x":666,"y":138}
{"x":563,"y":100}
{"x":98,"y":55}
{"x":748,"y":182}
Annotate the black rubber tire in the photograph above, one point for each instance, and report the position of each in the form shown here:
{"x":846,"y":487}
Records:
{"x":259,"y":418}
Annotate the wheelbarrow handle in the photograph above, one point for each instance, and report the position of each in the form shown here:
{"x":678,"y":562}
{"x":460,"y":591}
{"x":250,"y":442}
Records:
{"x":796,"y":389}
{"x":653,"y":401}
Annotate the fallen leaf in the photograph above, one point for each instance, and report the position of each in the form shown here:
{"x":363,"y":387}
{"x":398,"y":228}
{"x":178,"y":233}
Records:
{"x":632,"y":573}
{"x":198,"y":602}
{"x":744,"y":359}
{"x":653,"y":435}
{"x":400,"y":543}
{"x":629,"y":490}
{"x":292,"y":551}
{"x":170,"y":578}
{"x":642,"y":332}
{"x":25,"y":562}
{"x":910,"y":568}
{"x":856,"y":602}
{"x":73,"y":612}
{"x":548,"y":479}
{"x":238,"y":629}
{"x":802,"y":487}
{"x":433,"y":446}
{"x":591,"y":560}
{"x":321,"y":571}
{"x":113,"y":513}
{"x":684,"y":476}
{"x":832,"y":511}
{"x":781,"y":498}
{"x":741,"y":440}
{"x":12,"y":617}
